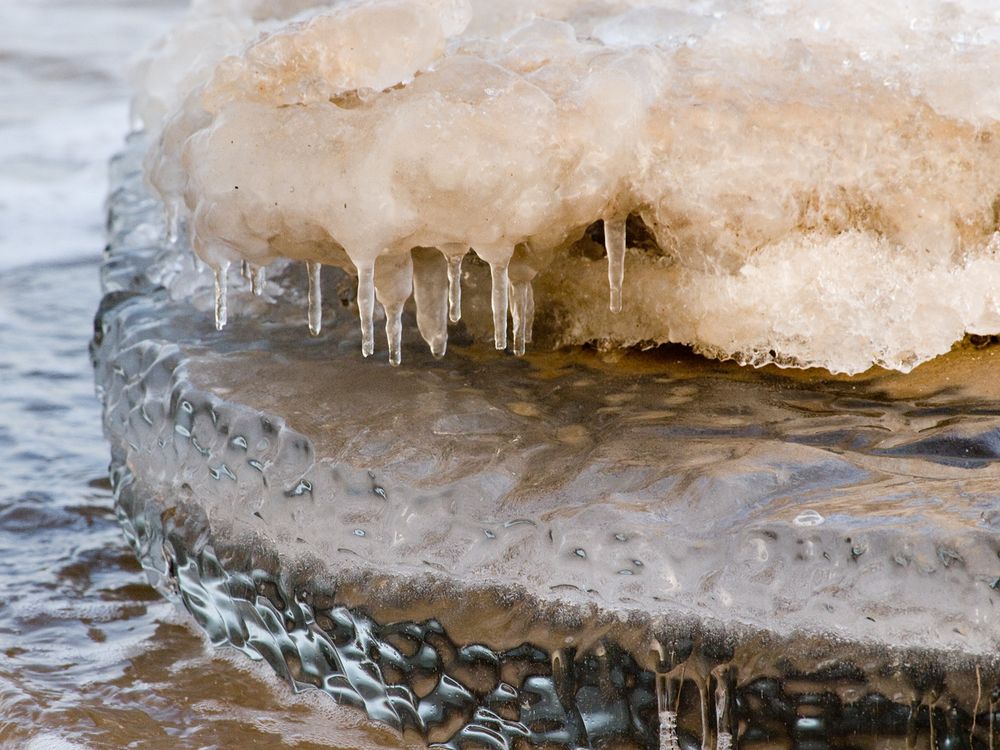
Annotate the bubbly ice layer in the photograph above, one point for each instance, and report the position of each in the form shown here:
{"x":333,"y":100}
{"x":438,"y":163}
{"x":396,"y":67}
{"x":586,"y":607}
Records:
{"x":804,"y":183}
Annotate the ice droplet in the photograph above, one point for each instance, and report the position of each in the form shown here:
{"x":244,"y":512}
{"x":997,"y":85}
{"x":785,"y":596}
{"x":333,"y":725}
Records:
{"x":221,"y":291}
{"x":315,"y":296}
{"x":431,"y":292}
{"x":614,"y":243}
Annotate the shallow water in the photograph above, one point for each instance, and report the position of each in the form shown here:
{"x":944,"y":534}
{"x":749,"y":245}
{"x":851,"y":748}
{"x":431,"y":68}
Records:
{"x":90,"y":655}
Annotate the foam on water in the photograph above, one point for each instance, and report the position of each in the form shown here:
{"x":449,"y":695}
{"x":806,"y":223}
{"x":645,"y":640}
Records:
{"x":786,"y":182}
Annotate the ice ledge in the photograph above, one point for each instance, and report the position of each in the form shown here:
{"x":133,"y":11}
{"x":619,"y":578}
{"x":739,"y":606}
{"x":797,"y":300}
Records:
{"x":557,"y":500}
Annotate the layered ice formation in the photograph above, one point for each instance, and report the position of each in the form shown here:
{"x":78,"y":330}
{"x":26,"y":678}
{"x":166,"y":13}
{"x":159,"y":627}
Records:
{"x":800,"y":182}
{"x":599,"y":549}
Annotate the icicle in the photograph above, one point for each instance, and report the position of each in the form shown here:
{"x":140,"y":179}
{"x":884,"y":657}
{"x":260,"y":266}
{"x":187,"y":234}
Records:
{"x":454,"y":253}
{"x":393,"y":286}
{"x":529,"y":316}
{"x":366,"y":306}
{"x":614,"y":243}
{"x":913,"y":722}
{"x":520,"y":296}
{"x":315,"y":297}
{"x":665,"y":700}
{"x":431,"y":294}
{"x":668,"y":731}
{"x":221,"y":303}
{"x":173,"y":221}
{"x":723,"y":708}
{"x":246,"y":269}
{"x":703,"y":703}
{"x":498,"y":274}
{"x":258,"y":282}
{"x":521,"y":273}
{"x":394,"y":332}
{"x":455,"y":288}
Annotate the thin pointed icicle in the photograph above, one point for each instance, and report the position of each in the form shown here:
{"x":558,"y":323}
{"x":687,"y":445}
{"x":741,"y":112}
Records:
{"x":221,"y":294}
{"x":723,"y":709}
{"x":455,"y":288}
{"x":259,"y":280}
{"x":529,"y":316}
{"x":366,"y":306}
{"x":315,"y":297}
{"x":173,"y":222}
{"x":393,"y":286}
{"x":666,"y":692}
{"x":394,"y":331}
{"x":498,"y":274}
{"x":246,"y":270}
{"x":614,"y":243}
{"x":521,"y":273}
{"x":668,"y":731}
{"x":431,"y":294}
{"x":520,"y":294}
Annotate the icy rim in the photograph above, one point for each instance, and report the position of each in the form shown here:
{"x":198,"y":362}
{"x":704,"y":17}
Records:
{"x":410,"y":646}
{"x":794,"y":183}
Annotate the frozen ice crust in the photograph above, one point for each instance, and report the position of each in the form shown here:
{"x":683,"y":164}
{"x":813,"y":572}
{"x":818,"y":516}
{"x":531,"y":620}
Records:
{"x":799,"y":183}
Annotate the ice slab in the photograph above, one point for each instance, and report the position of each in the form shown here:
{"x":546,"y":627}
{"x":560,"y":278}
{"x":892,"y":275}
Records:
{"x":657,"y":527}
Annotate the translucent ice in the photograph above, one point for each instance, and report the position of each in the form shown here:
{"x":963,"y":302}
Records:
{"x":790,"y":182}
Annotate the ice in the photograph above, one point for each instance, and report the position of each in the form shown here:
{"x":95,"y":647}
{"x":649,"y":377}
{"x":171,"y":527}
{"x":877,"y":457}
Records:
{"x":221,"y":295}
{"x":315,"y":298}
{"x":393,"y":286}
{"x":454,"y":258}
{"x":794,"y":183}
{"x":615,"y":246}
{"x":431,"y":286}
{"x":637,"y":519}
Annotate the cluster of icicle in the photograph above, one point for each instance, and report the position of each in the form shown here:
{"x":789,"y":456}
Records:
{"x":759,"y":142}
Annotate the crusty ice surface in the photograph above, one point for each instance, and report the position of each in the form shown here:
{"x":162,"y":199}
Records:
{"x":859,"y":509}
{"x":809,"y":183}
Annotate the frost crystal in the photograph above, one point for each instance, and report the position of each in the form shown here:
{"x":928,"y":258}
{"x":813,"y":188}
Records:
{"x":790,"y":182}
